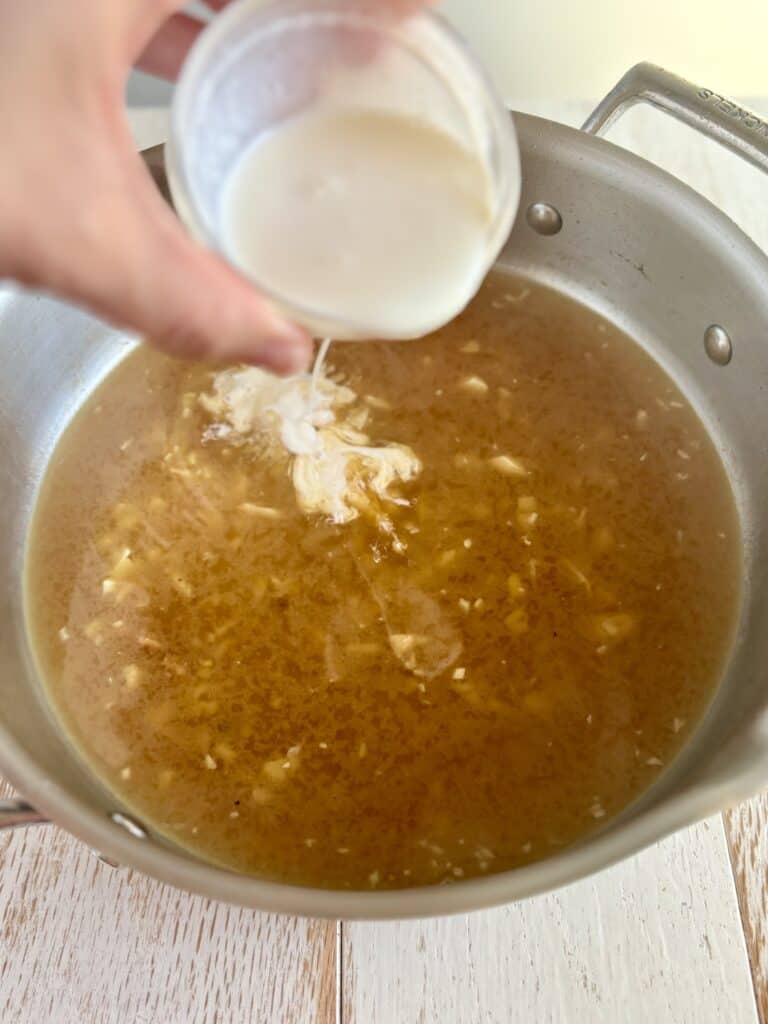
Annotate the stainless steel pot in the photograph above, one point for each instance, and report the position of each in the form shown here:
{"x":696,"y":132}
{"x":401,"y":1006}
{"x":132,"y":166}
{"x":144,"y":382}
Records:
{"x":622,"y":237}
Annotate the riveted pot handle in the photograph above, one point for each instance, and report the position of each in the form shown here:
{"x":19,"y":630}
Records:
{"x":19,"y":814}
{"x":707,"y":111}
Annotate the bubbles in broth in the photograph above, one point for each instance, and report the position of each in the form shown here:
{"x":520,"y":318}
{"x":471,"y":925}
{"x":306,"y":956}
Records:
{"x":317,"y":704}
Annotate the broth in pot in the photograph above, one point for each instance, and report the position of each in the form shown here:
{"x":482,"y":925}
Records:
{"x":480,"y":662}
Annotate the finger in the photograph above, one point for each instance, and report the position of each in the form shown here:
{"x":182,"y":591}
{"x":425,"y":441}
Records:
{"x":167,"y":50}
{"x":197,"y":307}
{"x":192,"y":304}
{"x":137,"y":268}
{"x":402,"y":8}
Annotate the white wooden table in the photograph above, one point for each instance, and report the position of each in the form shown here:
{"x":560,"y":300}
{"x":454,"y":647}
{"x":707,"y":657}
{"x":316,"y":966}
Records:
{"x":676,"y":935}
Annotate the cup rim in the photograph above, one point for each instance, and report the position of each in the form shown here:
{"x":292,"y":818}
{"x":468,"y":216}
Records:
{"x":327,"y":323}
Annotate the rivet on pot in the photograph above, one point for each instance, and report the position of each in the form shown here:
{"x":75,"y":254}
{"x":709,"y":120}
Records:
{"x":718,"y":344}
{"x":544,"y":218}
{"x":131,"y":827}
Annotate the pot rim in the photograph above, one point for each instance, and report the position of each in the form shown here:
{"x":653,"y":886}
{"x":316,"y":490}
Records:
{"x":620,"y":839}
{"x":164,"y":864}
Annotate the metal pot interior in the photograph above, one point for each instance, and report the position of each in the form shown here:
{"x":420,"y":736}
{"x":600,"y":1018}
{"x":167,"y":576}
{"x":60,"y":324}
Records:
{"x":637,"y":246}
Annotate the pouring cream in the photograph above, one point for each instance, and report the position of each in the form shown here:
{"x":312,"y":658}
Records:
{"x":378,"y":216}
{"x":318,"y":426}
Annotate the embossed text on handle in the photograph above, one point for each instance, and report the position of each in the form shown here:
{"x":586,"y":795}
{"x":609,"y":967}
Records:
{"x":731,"y":109}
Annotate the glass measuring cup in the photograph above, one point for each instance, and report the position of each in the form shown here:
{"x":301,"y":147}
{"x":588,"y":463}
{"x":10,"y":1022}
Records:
{"x":259,"y":65}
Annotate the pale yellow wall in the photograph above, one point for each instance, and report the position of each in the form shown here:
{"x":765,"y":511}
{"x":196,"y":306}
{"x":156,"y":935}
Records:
{"x":577,"y":48}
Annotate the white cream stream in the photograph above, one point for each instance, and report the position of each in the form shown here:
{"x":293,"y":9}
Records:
{"x":318,"y":425}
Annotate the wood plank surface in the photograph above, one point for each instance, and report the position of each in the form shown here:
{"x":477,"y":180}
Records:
{"x":747,"y":827}
{"x":655,"y":939}
{"x":83,"y":943}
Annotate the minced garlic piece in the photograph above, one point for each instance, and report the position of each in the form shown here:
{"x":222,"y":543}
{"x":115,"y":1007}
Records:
{"x":515,"y":585}
{"x":377,"y":403}
{"x":508,"y":466}
{"x":426,"y":655}
{"x":527,"y":514}
{"x":474,"y":385}
{"x":280,"y":768}
{"x":259,"y":511}
{"x":611,"y":627}
{"x":132,"y":677}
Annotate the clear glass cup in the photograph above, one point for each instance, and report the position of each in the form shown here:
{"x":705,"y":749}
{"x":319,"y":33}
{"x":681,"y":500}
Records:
{"x":259,"y":64}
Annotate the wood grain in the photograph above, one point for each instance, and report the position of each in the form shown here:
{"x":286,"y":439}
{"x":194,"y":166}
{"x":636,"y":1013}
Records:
{"x":83,"y":943}
{"x":747,"y":827}
{"x":657,"y":938}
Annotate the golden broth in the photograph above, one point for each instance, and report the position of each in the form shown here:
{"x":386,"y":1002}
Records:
{"x":236,"y":676}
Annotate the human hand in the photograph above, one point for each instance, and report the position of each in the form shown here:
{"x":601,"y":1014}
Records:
{"x":80,"y":215}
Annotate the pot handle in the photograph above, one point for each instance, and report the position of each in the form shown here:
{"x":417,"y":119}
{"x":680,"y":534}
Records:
{"x":19,"y":814}
{"x":708,"y":112}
